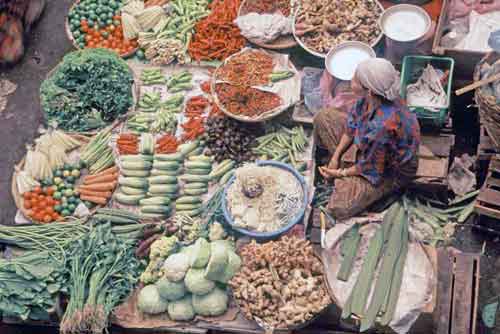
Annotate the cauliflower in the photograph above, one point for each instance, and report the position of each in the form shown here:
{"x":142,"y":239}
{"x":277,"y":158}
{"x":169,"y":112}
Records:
{"x":162,"y":247}
{"x":181,"y":310}
{"x":212,"y":304}
{"x":216,"y":232}
{"x":152,"y":272}
{"x":171,"y":290}
{"x":196,"y":282}
{"x":150,"y":302}
{"x":176,"y":266}
{"x":200,"y":253}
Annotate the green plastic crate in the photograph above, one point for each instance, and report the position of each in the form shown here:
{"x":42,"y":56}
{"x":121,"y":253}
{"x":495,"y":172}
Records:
{"x":412,"y":70}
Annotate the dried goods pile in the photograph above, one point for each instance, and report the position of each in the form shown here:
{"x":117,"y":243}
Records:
{"x":250,"y":68}
{"x":267,"y":6}
{"x":386,"y":253}
{"x":216,"y":37}
{"x":280,"y":283}
{"x":264,"y":198}
{"x":246,"y":101}
{"x":229,"y":139}
{"x":88,"y":89}
{"x":322,"y":24}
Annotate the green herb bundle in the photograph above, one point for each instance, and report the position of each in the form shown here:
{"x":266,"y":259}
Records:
{"x":89,"y":89}
{"x":102,"y":270}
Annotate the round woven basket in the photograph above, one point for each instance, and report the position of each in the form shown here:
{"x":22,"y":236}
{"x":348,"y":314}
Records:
{"x":489,"y":108}
{"x":262,"y":117}
{"x":18,"y":198}
{"x":294,"y":327}
{"x":323,"y":55}
{"x":69,"y":34}
{"x":282,"y":42}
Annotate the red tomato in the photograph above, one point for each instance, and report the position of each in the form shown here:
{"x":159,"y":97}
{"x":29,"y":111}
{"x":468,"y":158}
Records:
{"x":27,"y":204}
{"x":27,"y":195}
{"x":47,"y":219}
{"x":37,"y":190}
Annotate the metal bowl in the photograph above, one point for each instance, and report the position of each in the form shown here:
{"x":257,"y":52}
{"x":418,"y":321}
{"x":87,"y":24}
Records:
{"x":262,"y":236}
{"x":323,"y":55}
{"x":349,"y":54}
{"x":400,"y":16}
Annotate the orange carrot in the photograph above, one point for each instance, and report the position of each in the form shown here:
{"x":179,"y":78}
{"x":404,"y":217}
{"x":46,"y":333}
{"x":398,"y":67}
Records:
{"x":99,"y":186}
{"x":94,"y":199}
{"x":110,"y":170}
{"x":104,"y":194}
{"x":102,"y":179}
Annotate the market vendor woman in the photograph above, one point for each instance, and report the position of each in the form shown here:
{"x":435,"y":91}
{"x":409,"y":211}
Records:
{"x":384,"y":134}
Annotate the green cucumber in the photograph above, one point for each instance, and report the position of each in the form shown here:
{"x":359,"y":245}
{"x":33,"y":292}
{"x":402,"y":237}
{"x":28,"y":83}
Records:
{"x":199,"y":171}
{"x":136,"y":157}
{"x":224,"y":179}
{"x":163,"y":189}
{"x":132,"y":191}
{"x":195,"y":178}
{"x":133,"y":182}
{"x":190,"y":213}
{"x":158,"y":209}
{"x":195,"y":192}
{"x":162,"y":179}
{"x":156,"y":172}
{"x":187,"y":207}
{"x":158,"y":200}
{"x":153,"y":216}
{"x":204,"y":158}
{"x":221,"y":166}
{"x":185,"y":149}
{"x":216,"y":175}
{"x":136,"y":165}
{"x":189,"y":200}
{"x":169,"y":157}
{"x":166,"y":165}
{"x":135,"y":173}
{"x":128,"y":199}
{"x":195,"y":185}
{"x":196,"y":151}
{"x":114,"y":219}
{"x":198,"y":164}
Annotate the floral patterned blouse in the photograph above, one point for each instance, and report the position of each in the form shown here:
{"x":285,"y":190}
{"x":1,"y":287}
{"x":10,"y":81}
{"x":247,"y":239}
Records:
{"x":387,"y":137}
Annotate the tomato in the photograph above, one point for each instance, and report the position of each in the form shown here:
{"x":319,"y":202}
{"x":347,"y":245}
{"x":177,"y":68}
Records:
{"x":50,"y":191}
{"x":41,"y":197}
{"x":55,"y":216}
{"x":27,"y":204}
{"x":117,"y":17}
{"x":84,"y":22}
{"x":37,"y":190}
{"x":88,"y":38}
{"x":49,"y":210}
{"x":57,"y":202}
{"x":47,"y":219}
{"x":34,"y":202}
{"x":37,"y":216}
{"x":27,"y":195}
{"x":42,"y":203}
{"x":91,"y":44}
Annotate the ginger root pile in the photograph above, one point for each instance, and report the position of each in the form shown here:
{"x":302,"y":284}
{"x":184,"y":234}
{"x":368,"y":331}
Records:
{"x":323,"y":24}
{"x":280,"y":282}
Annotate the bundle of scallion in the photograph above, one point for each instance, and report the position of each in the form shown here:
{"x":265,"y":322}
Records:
{"x":102,"y":271}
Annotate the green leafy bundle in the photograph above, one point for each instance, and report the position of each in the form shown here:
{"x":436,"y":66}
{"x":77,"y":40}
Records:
{"x":29,"y":285}
{"x":103,"y":270}
{"x":89,"y":89}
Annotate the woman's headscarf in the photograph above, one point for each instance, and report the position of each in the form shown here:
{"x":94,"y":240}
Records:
{"x":379,"y":76}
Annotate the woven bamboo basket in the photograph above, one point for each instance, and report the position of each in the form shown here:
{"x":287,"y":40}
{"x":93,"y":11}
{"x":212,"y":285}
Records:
{"x":69,"y":34}
{"x":297,"y":326}
{"x":262,"y":117}
{"x":282,"y":42}
{"x":489,"y":108}
{"x":18,"y":198}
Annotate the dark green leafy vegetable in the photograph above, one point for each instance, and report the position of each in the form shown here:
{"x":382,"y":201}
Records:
{"x":89,"y":89}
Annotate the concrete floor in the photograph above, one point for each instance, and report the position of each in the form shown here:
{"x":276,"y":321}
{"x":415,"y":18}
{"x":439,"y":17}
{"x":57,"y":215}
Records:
{"x":46,"y":45}
{"x":20,"y":121}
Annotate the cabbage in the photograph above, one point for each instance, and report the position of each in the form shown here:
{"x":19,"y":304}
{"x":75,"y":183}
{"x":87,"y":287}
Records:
{"x":200,"y":253}
{"x":150,"y":302}
{"x":181,"y":310}
{"x":216,"y":232}
{"x":232,"y":267}
{"x":196,"y":282}
{"x":212,"y":304}
{"x":171,"y":290}
{"x":175,"y":267}
{"x":217,"y":262}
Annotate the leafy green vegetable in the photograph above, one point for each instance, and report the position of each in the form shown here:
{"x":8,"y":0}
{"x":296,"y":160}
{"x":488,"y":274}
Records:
{"x":89,"y":89}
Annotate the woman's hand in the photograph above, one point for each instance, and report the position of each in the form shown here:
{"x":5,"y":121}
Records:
{"x":329,"y":173}
{"x":334,"y":162}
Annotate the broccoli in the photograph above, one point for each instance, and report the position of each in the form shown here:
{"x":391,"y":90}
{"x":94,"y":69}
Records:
{"x":163,"y":247}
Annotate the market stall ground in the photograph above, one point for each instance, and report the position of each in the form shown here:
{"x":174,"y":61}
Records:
{"x":20,"y":120}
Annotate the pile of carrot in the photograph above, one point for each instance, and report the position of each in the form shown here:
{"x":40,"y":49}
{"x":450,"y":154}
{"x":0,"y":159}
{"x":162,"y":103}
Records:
{"x":216,"y":37}
{"x":166,"y":144}
{"x":195,"y":106}
{"x":205,"y":87}
{"x":128,"y":143}
{"x":98,"y":188}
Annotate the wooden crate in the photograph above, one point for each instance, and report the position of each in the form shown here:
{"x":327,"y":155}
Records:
{"x":486,"y":148}
{"x":457,"y":292}
{"x":488,"y":200}
{"x":465,"y":61}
